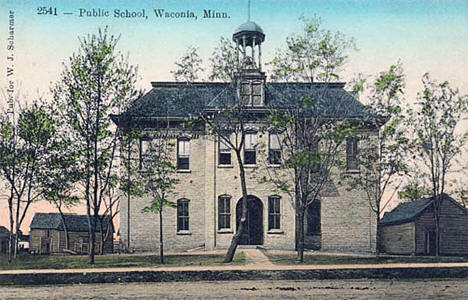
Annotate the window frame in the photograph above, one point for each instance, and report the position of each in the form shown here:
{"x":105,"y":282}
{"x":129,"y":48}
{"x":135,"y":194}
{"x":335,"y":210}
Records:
{"x":143,"y":157}
{"x":274,"y":212}
{"x":352,"y":163}
{"x":251,"y":151}
{"x":183,"y":220}
{"x":314,"y":210}
{"x":224,"y":152}
{"x":247,"y":96}
{"x":272,"y":152}
{"x":181,"y":158}
{"x":224,"y":214}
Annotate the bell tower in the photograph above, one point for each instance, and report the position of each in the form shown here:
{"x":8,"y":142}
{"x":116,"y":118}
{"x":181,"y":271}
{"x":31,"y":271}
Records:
{"x":249,"y":78}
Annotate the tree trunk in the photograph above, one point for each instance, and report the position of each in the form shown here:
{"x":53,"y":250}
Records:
{"x":437,"y":232}
{"x":10,"y":240}
{"x":161,"y":243}
{"x":300,"y":235}
{"x":235,"y":239}
{"x":65,"y":229}
{"x":101,"y":250}
{"x":378,"y":237}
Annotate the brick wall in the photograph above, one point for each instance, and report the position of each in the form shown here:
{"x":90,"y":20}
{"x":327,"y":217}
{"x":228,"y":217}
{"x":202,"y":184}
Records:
{"x":348,"y":224}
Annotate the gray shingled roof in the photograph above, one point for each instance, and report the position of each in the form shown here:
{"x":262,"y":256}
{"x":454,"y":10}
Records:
{"x":406,"y":212}
{"x":4,"y":231}
{"x":76,"y":223}
{"x":179,"y":100}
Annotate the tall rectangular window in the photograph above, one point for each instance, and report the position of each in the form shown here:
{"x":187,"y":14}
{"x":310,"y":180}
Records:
{"x":183,"y":154}
{"x":144,"y":153}
{"x":274,"y":150}
{"x":314,"y":218}
{"x":224,"y":157}
{"x":182,"y":215}
{"x":257,"y":94}
{"x":224,"y":212}
{"x":245,"y":91}
{"x":274,"y":212}
{"x":250,"y":149}
{"x":351,"y":153}
{"x":314,"y":149}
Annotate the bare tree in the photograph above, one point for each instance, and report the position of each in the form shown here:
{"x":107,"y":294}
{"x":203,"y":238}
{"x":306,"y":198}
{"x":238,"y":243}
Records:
{"x":188,"y":66}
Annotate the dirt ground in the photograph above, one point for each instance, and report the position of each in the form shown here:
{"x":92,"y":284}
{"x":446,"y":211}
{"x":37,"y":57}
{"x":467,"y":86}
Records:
{"x":314,"y":289}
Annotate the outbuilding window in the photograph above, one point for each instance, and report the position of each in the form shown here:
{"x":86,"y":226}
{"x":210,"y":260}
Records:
{"x":224,"y":212}
{"x":183,"y":215}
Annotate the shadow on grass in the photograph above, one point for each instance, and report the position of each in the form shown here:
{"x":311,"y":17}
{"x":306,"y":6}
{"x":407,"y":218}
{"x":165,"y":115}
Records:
{"x":317,"y":259}
{"x":27,"y":261}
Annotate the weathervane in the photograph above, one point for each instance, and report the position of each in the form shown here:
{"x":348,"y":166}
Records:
{"x":248,"y":10}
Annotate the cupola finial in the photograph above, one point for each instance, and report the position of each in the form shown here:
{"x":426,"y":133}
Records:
{"x":248,"y":11}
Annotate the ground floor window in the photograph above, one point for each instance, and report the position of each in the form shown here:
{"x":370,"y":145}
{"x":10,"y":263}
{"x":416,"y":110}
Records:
{"x":182,"y":215}
{"x":274,"y":212}
{"x":313,"y":218}
{"x":224,"y":212}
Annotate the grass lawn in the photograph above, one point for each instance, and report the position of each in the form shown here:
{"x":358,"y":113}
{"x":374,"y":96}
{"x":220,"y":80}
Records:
{"x":26,"y":261}
{"x":317,"y":259}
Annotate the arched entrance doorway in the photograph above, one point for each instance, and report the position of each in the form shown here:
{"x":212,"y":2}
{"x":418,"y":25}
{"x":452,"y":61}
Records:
{"x":253,"y":230}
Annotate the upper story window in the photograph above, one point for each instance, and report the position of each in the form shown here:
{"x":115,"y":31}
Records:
{"x":145,"y":153}
{"x":250,"y":149}
{"x":351,"y":153}
{"x":183,"y":215}
{"x":316,"y":163}
{"x":224,"y":212}
{"x":274,"y":149}
{"x":224,"y":156}
{"x":274,"y":212}
{"x":251,"y":93}
{"x":183,"y":154}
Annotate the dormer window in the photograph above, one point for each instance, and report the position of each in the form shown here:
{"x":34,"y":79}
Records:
{"x":251,"y":93}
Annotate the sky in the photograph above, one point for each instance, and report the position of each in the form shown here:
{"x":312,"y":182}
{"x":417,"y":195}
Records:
{"x":425,"y":35}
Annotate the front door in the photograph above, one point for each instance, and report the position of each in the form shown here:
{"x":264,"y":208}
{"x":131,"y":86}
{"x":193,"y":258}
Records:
{"x":253,"y":229}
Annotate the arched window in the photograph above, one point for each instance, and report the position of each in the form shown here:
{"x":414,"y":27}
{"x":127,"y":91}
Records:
{"x":224,"y":212}
{"x":183,"y":214}
{"x":274,"y":212}
{"x":351,"y":153}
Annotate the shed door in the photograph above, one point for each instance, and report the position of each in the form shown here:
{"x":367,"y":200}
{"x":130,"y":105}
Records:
{"x":429,"y":242}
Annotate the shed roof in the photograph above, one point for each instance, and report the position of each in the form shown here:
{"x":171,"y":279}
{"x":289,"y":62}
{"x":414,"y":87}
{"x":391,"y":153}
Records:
{"x":408,"y":211}
{"x":4,"y":231}
{"x":51,"y":221}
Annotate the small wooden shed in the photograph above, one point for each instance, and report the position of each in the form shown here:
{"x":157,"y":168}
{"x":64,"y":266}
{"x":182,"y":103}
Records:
{"x":410,"y":228}
{"x":47,"y":234}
